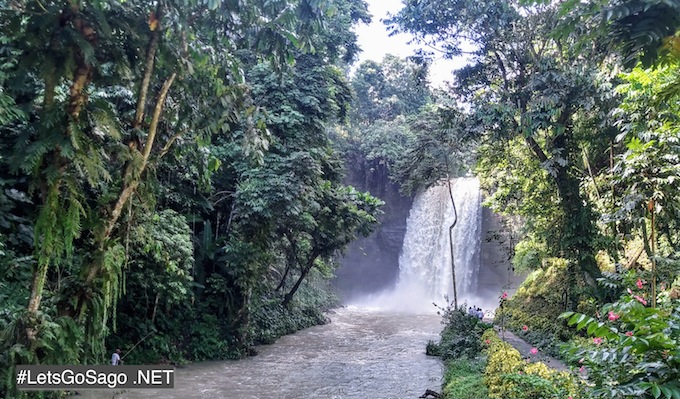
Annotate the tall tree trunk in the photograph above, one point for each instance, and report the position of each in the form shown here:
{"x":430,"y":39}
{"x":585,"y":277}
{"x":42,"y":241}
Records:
{"x":155,"y":308}
{"x":244,"y":325}
{"x":82,"y":76}
{"x":453,"y":262}
{"x":579,"y":232}
{"x":578,"y":229}
{"x":134,"y":178}
{"x":291,"y":260}
{"x":148,"y":69}
{"x":83,"y":73}
{"x":303,"y":273}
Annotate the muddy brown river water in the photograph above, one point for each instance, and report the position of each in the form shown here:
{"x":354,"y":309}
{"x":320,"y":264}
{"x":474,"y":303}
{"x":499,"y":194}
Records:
{"x":363,"y":353}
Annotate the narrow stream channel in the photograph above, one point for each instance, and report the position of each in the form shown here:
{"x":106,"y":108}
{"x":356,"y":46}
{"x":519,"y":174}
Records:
{"x":363,"y":353}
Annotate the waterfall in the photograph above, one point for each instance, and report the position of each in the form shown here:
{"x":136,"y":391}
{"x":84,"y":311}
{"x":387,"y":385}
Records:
{"x":425,"y":260}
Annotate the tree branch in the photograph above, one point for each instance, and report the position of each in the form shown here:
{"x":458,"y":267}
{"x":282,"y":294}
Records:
{"x":134,"y":181}
{"x":533,"y":145}
{"x":504,"y":72}
{"x":170,"y":142}
{"x":153,"y":127}
{"x":148,"y":70}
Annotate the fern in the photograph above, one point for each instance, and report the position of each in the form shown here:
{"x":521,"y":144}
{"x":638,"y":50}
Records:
{"x":611,"y":280}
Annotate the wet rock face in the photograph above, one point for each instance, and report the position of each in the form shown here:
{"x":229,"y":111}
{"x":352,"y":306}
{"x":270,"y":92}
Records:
{"x":495,"y":272}
{"x":372,"y":264}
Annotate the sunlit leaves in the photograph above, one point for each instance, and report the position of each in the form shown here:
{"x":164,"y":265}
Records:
{"x":650,"y":166}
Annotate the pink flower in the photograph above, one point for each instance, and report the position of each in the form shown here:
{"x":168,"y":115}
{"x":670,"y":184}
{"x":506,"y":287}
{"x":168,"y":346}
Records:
{"x":533,"y":351}
{"x":640,"y":299}
{"x":613,"y":316}
{"x":505,"y":295}
{"x":629,"y":334}
{"x":521,"y":372}
{"x":597,"y":340}
{"x":581,"y":360}
{"x":486,"y":341}
{"x":525,"y":328}
{"x":581,"y":369}
{"x":639,"y":284}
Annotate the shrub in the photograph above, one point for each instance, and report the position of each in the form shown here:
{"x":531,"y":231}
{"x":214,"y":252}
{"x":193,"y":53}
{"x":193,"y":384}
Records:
{"x":460,"y":336}
{"x":634,"y":352}
{"x":507,"y":376}
{"x":503,"y":359}
{"x":271,"y":320}
{"x":536,"y":304}
{"x":206,"y":342}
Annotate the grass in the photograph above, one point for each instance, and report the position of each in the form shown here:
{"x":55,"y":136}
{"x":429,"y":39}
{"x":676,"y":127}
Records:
{"x":464,"y":379}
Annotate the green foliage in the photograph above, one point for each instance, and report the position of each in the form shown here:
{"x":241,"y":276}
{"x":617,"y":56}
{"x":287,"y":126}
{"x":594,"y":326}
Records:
{"x":503,"y":359}
{"x":206,"y":342}
{"x":648,"y":168}
{"x":394,"y":87}
{"x":637,"y":30}
{"x":508,"y":376}
{"x":460,"y":336}
{"x":162,"y":166}
{"x":532,"y":385}
{"x":271,"y":320}
{"x":538,"y":302}
{"x":58,"y":342}
{"x":439,"y":148}
{"x":460,"y":347}
{"x":387,"y":96}
{"x":463,"y":379}
{"x":525,"y":193}
{"x":634,"y":352}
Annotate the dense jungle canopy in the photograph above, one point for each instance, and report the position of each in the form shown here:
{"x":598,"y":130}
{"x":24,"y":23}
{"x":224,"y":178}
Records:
{"x":172,"y":171}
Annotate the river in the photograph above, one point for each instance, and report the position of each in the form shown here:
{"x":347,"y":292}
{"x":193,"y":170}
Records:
{"x":363,"y":353}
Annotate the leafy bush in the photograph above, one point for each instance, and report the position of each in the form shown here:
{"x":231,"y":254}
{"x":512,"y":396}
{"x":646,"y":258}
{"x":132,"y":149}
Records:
{"x":536,"y":305}
{"x":502,"y":359}
{"x":271,"y":320}
{"x":207,"y":342}
{"x":634,"y":352}
{"x":460,"y":336}
{"x":507,"y":376}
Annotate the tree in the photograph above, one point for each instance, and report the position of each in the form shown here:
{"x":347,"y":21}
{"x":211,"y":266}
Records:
{"x":388,"y":89}
{"x":645,"y":173}
{"x":102,"y":91}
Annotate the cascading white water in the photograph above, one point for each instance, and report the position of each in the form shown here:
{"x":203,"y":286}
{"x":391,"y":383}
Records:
{"x":425,"y":260}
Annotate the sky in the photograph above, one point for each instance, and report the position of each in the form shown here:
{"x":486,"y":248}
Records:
{"x":375,"y":42}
